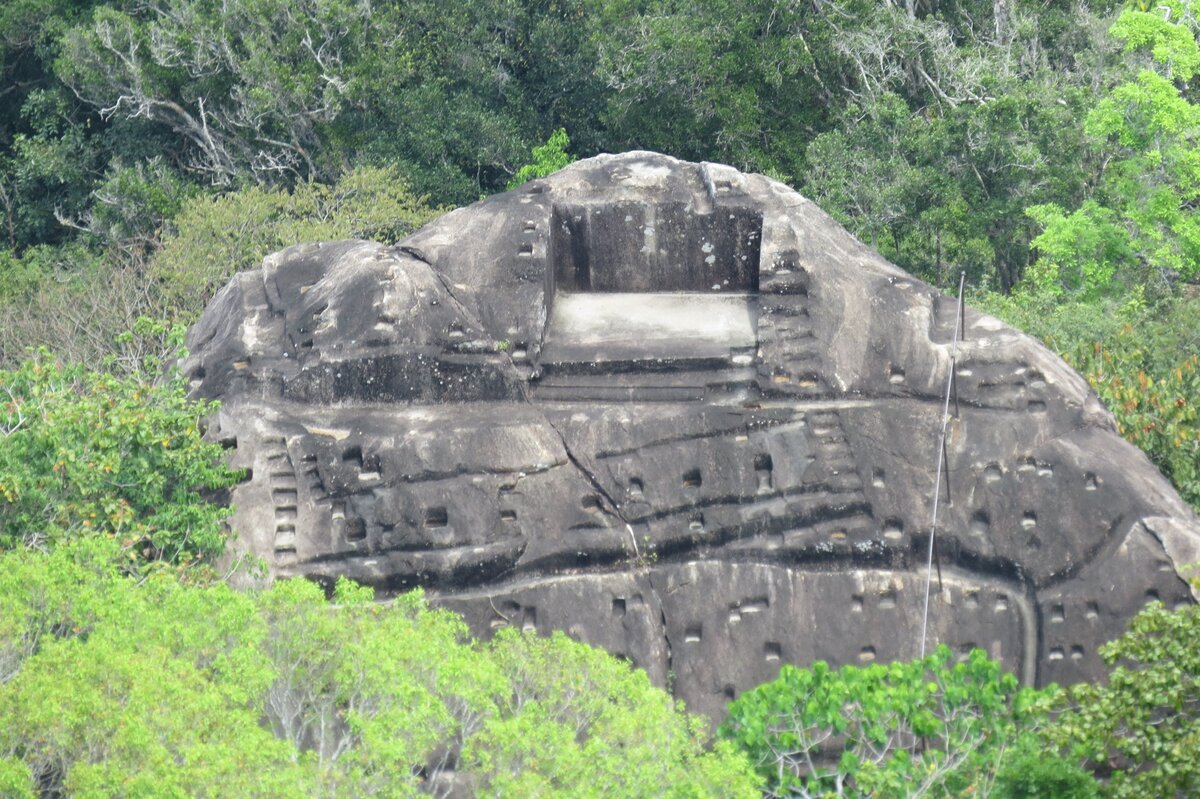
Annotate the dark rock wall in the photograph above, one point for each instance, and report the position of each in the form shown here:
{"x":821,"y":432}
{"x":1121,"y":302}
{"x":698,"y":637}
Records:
{"x":638,"y":247}
{"x":708,"y":504}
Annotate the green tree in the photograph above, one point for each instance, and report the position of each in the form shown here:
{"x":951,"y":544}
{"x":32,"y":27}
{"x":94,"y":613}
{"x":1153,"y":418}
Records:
{"x":1141,"y":228}
{"x":576,"y":722}
{"x":947,"y":131}
{"x":47,"y":171}
{"x":213,"y":237}
{"x":49,"y":150}
{"x":242,"y":87}
{"x":372,"y":691}
{"x":124,"y":687}
{"x":1141,"y":727}
{"x":547,"y":159}
{"x":938,"y":726}
{"x":1031,"y":771}
{"x":113,"y":685}
{"x":735,"y":82}
{"x":1078,"y":253}
{"x":273,"y":93}
{"x":92,"y":454}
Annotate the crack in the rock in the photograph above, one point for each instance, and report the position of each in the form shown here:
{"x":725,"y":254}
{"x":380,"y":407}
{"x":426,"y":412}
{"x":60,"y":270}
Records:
{"x":462,"y":307}
{"x":594,"y":482}
{"x":605,"y":496}
{"x":1162,"y":544}
{"x":416,"y":253}
{"x":744,"y":426}
{"x":587,"y":473}
{"x":662,"y":617}
{"x":541,"y":342}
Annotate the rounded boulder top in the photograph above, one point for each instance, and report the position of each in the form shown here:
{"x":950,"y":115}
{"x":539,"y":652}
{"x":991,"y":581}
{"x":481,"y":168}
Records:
{"x":680,"y":413}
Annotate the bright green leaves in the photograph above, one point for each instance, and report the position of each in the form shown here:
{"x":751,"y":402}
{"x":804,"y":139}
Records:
{"x":115,"y":687}
{"x":1033,"y":771}
{"x":1143,"y":723}
{"x":92,"y":454}
{"x":1141,"y":227}
{"x":1171,"y":44}
{"x":575,"y":722}
{"x":936,"y":727}
{"x":16,"y":782}
{"x":214,"y":237}
{"x":133,"y":690}
{"x":1155,"y":182}
{"x":1139,"y":114}
{"x":1079,"y":252}
{"x":547,"y":159}
{"x":370,"y":690}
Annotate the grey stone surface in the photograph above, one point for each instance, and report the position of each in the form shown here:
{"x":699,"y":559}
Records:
{"x":678,"y":412}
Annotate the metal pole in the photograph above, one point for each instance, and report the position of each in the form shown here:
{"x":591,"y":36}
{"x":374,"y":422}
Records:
{"x":943,"y":464}
{"x":937,"y":493}
{"x":961,"y":332}
{"x":954,"y":384}
{"x":946,"y":471}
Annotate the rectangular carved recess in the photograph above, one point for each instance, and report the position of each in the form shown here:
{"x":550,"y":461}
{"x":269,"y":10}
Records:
{"x":655,"y":247}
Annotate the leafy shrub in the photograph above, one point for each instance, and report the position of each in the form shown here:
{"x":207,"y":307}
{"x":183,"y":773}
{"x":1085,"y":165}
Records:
{"x":1078,"y":253}
{"x":87,"y":453}
{"x":1034,"y":772}
{"x":1143,"y":725}
{"x":547,"y":159}
{"x":214,"y":237}
{"x":1142,"y":229}
{"x":936,"y":727}
{"x":572,"y":719}
{"x":121,"y":687}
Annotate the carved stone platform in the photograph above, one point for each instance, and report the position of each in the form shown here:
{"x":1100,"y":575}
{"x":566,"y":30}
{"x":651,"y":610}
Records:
{"x":678,"y":412}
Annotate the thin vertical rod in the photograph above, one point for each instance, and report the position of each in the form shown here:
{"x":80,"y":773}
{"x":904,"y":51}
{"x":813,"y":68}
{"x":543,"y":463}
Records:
{"x":962,"y":308}
{"x":942,"y":464}
{"x":937,"y":493}
{"x":946,"y":471}
{"x":954,"y":384}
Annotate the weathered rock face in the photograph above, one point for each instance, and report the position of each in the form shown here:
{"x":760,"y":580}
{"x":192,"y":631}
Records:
{"x":678,"y":412}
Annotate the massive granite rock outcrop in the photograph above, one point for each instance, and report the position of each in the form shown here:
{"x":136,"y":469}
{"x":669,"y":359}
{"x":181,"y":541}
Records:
{"x":678,"y":412}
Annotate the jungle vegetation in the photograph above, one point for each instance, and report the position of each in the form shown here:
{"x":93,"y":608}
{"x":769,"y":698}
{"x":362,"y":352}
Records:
{"x":151,"y":148}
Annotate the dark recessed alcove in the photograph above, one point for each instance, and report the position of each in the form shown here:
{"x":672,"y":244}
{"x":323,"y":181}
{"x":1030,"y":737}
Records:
{"x":654,"y":247}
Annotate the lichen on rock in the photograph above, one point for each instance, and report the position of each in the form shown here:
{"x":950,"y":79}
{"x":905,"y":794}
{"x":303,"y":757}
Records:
{"x":680,"y":413}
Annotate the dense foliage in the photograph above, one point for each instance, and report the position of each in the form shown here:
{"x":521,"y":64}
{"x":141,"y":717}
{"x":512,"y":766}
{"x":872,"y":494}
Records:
{"x":80,"y":305}
{"x":939,"y":727}
{"x":111,"y":687}
{"x":233,"y":232}
{"x":1142,"y":727}
{"x":150,"y":149}
{"x":89,"y":453}
{"x":927,"y":126}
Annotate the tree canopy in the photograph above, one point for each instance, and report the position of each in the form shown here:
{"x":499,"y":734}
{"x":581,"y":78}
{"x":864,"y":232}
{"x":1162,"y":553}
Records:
{"x":148,"y":150}
{"x":111,"y":686}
